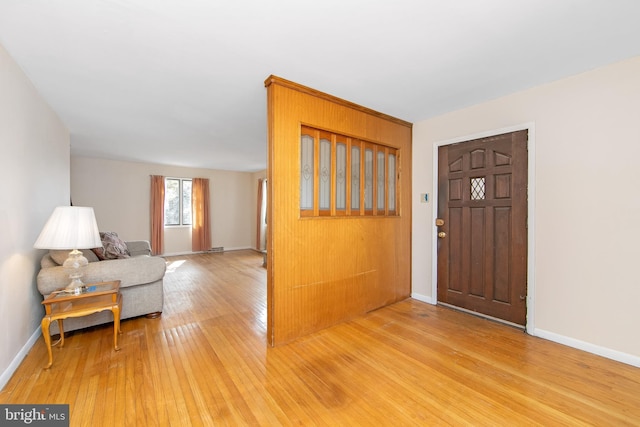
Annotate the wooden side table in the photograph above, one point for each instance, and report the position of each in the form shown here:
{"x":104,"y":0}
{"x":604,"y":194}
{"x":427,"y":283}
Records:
{"x":95,"y":298}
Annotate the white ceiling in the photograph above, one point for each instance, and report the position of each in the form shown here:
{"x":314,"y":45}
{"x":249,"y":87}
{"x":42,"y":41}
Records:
{"x":181,"y":82}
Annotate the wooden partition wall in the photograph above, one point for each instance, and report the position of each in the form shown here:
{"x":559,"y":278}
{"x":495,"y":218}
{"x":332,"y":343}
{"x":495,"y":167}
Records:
{"x":323,"y":270}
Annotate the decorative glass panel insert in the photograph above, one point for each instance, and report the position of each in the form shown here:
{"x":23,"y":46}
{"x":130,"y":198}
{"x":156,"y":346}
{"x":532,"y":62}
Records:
{"x":477,"y":188}
{"x":392,"y":182}
{"x":355,"y":178}
{"x":306,"y":172}
{"x":368,"y":179}
{"x":380,"y":196}
{"x":341,"y":178}
{"x":325,"y":174}
{"x":346,"y":176}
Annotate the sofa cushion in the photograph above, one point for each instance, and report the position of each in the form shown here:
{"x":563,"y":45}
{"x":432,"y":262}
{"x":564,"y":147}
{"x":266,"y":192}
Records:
{"x":113,"y":247}
{"x":59,"y":256}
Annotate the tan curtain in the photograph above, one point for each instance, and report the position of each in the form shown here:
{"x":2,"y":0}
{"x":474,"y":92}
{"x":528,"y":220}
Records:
{"x":157,"y":214}
{"x":201,"y":228}
{"x":259,"y":214}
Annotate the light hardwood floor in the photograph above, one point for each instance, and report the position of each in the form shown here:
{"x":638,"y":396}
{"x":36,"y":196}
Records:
{"x":205,"y":362}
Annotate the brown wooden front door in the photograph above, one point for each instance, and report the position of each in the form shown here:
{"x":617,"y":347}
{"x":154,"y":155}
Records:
{"x":482,"y":245}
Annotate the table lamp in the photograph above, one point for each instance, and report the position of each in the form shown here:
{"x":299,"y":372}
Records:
{"x":73,"y":228}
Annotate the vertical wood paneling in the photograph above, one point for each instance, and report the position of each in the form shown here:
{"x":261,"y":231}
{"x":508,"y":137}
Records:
{"x":502,"y":257}
{"x":455,"y":260}
{"x":478,"y":256}
{"x":325,"y":270}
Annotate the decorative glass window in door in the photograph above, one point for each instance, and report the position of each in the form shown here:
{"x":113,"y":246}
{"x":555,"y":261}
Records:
{"x":477,"y":188}
{"x":345,"y":176}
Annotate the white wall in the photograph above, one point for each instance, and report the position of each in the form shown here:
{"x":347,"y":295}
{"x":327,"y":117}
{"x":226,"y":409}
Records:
{"x":34,"y":170}
{"x":587,"y":211}
{"x":119,"y":193}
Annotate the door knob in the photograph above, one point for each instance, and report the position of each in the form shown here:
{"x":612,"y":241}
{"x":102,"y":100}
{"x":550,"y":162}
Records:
{"x":442,"y":234}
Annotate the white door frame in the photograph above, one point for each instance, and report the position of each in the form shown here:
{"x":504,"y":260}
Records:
{"x":531,"y":192}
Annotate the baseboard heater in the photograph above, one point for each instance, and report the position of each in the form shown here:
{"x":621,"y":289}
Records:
{"x":217,"y":249}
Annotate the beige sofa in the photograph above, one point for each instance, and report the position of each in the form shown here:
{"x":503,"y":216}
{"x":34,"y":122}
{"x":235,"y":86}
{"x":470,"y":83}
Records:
{"x":141,"y":285}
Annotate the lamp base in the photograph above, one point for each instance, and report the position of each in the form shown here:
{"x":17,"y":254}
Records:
{"x":75,"y":287}
{"x":75,"y":262}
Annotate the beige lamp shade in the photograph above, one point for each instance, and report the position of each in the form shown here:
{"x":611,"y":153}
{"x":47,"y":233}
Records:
{"x":70,"y":227}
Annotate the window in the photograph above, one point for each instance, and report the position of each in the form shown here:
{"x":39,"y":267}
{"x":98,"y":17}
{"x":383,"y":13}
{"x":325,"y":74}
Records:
{"x":343,"y":176}
{"x":477,"y":188}
{"x":177,"y":201}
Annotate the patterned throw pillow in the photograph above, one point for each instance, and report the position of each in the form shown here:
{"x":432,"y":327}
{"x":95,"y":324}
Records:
{"x":113,"y":247}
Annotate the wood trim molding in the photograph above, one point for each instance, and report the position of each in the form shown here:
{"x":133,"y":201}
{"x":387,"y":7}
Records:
{"x":313,"y":92}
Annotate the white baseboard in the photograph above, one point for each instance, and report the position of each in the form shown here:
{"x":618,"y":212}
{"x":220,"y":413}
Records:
{"x":424,"y":298}
{"x":616,"y":355}
{"x":193,"y":253}
{"x":241,"y":248}
{"x":15,"y":363}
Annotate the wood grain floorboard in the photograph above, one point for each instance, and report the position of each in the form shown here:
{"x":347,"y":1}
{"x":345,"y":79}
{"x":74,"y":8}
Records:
{"x":205,"y":362}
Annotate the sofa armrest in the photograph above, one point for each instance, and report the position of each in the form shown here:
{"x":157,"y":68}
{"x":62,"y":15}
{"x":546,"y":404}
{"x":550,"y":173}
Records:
{"x":138,"y":247}
{"x":130,"y":272}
